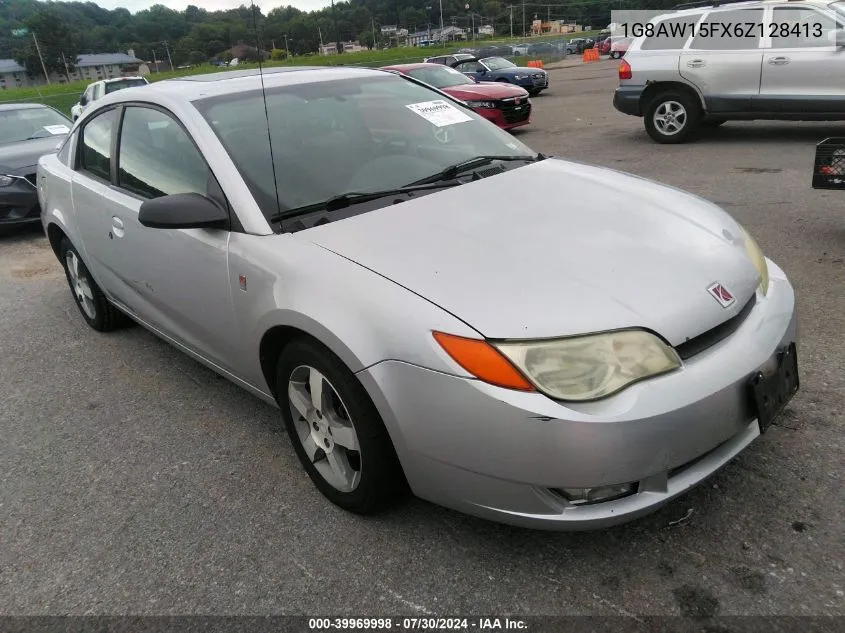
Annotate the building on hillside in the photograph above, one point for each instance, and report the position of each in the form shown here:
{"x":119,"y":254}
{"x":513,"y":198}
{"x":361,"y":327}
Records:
{"x":90,"y":67}
{"x":13,"y":75}
{"x":94,"y":67}
{"x":241,"y":51}
{"x":487,"y":29}
{"x":330,"y":48}
{"x":447,"y":34}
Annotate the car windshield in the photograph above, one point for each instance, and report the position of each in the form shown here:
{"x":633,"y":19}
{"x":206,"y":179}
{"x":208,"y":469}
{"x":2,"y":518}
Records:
{"x":114,"y":86}
{"x":24,"y":124}
{"x":363,"y":134}
{"x":839,"y":7}
{"x":440,"y":77}
{"x":497,"y":63}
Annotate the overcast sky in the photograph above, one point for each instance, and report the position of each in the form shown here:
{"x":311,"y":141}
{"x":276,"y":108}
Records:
{"x":212,"y":5}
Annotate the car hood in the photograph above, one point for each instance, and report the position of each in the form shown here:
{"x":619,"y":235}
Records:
{"x":522,"y":70}
{"x":16,"y":156}
{"x":557,"y":248}
{"x":486,"y":90}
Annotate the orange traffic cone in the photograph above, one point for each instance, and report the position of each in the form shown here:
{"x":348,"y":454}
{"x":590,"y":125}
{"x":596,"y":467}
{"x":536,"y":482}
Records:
{"x":539,"y":63}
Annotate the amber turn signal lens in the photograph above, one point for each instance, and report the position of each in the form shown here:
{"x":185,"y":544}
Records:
{"x":625,"y":71}
{"x":483,"y":361}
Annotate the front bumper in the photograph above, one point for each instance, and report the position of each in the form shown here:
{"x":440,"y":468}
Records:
{"x":535,"y":82}
{"x":19,"y":204}
{"x":509,"y":115}
{"x":502,"y":454}
{"x":627,"y":99}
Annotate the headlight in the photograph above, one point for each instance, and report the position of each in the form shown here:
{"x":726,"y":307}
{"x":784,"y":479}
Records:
{"x":758,"y":259}
{"x":5,"y":181}
{"x":518,"y":77}
{"x":481,"y":104}
{"x":590,"y":367}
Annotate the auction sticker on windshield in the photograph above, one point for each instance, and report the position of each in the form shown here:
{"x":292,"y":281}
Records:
{"x":439,"y":112}
{"x":57,"y":129}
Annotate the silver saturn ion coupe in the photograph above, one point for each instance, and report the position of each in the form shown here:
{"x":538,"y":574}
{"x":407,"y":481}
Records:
{"x":399,"y":277}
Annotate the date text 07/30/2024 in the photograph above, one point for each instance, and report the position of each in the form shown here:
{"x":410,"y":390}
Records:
{"x":416,"y":623}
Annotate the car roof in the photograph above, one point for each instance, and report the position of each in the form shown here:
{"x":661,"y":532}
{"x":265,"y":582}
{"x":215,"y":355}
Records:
{"x":6,"y":107}
{"x":413,"y":66}
{"x":194,"y":87}
{"x":695,"y":7}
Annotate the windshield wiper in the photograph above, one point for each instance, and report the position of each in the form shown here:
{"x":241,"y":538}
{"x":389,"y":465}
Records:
{"x":344,"y":200}
{"x":454,"y":170}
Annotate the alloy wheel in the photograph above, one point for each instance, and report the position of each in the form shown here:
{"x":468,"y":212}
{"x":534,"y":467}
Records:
{"x":324,"y":428}
{"x":670,"y":117}
{"x":79,"y":285}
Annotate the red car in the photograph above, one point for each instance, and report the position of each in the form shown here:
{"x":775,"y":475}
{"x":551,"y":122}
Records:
{"x":504,"y":104}
{"x":604,"y":46}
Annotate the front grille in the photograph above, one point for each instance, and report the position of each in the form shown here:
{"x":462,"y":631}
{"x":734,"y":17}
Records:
{"x":511,"y":114}
{"x":714,"y":335}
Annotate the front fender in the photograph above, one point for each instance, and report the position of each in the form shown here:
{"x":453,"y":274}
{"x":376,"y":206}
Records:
{"x":359,"y":315}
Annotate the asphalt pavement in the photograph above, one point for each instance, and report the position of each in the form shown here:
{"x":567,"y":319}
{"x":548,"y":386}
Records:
{"x":134,"y":480}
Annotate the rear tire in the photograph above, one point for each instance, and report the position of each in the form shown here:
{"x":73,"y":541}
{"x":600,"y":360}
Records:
{"x":341,"y":440}
{"x":671,"y":117}
{"x":95,"y":308}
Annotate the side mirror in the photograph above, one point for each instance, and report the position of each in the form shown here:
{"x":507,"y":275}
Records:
{"x":182,"y":211}
{"x":83,"y":100}
{"x":829,"y":166}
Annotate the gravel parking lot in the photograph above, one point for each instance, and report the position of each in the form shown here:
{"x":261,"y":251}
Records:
{"x":133,"y":480}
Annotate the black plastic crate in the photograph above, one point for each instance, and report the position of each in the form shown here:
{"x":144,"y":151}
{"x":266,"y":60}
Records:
{"x":829,"y":167}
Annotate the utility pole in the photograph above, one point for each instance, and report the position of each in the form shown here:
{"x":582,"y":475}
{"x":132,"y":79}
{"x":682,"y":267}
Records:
{"x":336,"y":31}
{"x":511,"y":9}
{"x":155,"y":61}
{"x":441,"y":18}
{"x":43,"y":67}
{"x":287,"y":50}
{"x":320,"y":33}
{"x":373,"y":22}
{"x":523,"y":19}
{"x":67,"y":70}
{"x":169,"y":60}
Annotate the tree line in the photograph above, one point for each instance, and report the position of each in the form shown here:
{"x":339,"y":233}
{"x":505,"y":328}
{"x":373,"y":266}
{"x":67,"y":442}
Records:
{"x":195,"y":35}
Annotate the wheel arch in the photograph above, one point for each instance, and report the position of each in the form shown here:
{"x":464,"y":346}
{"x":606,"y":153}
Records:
{"x":55,"y":234}
{"x":290,"y":326}
{"x":656,"y":88}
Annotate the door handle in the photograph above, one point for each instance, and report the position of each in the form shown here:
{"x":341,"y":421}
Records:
{"x":778,"y":61}
{"x":696,"y":63}
{"x":117,"y":226}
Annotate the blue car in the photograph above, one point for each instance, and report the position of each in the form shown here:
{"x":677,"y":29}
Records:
{"x":534,"y":80}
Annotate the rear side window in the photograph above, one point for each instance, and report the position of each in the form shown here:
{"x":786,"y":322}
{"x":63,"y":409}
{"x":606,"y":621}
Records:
{"x":737,"y":30}
{"x":114,"y":86}
{"x":670,"y":35}
{"x":157,"y":157}
{"x":800,"y":27}
{"x":95,"y":152}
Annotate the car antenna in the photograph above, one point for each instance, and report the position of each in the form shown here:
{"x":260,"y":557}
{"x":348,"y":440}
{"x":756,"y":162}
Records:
{"x":266,"y":111}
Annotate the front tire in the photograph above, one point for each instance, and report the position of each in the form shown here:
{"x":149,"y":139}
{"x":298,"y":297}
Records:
{"x":336,"y":430}
{"x":671,"y":117}
{"x":95,"y":308}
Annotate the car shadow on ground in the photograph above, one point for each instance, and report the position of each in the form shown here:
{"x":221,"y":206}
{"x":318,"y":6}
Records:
{"x":739,"y":132}
{"x":16,"y":234}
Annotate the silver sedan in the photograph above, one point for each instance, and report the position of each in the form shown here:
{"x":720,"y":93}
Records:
{"x":402,"y":279}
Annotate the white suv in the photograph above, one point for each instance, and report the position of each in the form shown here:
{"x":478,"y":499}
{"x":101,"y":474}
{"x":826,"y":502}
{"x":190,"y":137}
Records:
{"x":784,"y":59}
{"x":99,"y":89}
